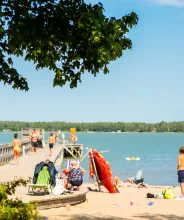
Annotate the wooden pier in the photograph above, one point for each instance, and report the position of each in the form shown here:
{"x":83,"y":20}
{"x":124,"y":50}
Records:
{"x":26,"y":166}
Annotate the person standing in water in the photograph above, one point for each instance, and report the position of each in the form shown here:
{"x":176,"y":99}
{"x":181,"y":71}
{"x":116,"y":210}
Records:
{"x":180,"y":169}
{"x":51,"y":143}
{"x":16,"y":148}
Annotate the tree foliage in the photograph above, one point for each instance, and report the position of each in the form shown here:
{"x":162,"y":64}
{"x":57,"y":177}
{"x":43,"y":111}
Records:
{"x":69,"y":37}
{"x":98,"y":126}
{"x":15,"y":209}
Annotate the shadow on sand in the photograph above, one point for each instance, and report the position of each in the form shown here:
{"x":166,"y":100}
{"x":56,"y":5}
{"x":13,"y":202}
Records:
{"x":81,"y":217}
{"x":147,"y":216}
{"x":104,"y":217}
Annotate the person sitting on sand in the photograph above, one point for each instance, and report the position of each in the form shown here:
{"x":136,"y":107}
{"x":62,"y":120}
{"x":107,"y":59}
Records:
{"x":66,"y":178}
{"x":76,"y":175}
{"x":117,"y":182}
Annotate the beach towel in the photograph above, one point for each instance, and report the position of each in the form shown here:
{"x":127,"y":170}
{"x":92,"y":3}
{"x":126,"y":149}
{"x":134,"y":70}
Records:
{"x":38,"y":168}
{"x":43,"y":177}
{"x":52,"y":170}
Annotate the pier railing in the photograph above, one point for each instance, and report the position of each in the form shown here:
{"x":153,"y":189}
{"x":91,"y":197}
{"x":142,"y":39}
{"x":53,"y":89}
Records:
{"x":7,"y":153}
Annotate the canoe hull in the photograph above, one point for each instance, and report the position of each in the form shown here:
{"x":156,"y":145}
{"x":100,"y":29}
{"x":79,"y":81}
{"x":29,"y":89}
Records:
{"x":104,"y":171}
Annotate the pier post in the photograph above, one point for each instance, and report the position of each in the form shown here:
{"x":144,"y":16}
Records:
{"x":94,"y":166}
{"x":43,"y":137}
{"x":23,"y":150}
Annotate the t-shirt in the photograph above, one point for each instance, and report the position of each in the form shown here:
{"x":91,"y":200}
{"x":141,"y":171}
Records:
{"x":76,"y":174}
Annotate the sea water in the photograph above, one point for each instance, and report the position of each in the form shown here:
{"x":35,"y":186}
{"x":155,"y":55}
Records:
{"x":157,"y":151}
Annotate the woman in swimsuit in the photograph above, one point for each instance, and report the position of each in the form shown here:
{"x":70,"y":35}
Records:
{"x":56,"y":139}
{"x":16,"y":148}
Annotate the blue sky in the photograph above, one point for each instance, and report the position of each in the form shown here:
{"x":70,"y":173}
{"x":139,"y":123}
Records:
{"x":145,"y":85}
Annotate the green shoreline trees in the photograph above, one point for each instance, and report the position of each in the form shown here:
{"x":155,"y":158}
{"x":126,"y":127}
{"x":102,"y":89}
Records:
{"x":98,"y":126}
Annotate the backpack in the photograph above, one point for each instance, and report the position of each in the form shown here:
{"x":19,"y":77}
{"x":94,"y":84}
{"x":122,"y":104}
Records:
{"x":149,"y":195}
{"x":168,"y":193}
{"x":59,"y":188}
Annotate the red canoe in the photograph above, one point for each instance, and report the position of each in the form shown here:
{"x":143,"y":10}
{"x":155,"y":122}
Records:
{"x":104,"y":171}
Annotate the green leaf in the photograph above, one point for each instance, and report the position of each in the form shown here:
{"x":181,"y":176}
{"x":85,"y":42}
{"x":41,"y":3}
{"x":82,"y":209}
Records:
{"x":69,"y":38}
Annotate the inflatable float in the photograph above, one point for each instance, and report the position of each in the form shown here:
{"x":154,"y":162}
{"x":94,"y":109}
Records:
{"x":103,"y":170}
{"x":132,"y":158}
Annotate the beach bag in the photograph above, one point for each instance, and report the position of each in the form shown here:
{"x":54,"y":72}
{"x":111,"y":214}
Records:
{"x":59,"y":188}
{"x":159,"y":196}
{"x":168,"y":193}
{"x":149,"y":195}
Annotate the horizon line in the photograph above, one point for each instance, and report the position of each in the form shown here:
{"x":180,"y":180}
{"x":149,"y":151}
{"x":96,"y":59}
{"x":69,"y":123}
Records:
{"x":93,"y":122}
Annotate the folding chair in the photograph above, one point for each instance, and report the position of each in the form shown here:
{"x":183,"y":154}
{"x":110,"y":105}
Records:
{"x":43,"y":182}
{"x":138,"y":179}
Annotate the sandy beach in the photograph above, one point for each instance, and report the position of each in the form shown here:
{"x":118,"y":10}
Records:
{"x":103,"y":205}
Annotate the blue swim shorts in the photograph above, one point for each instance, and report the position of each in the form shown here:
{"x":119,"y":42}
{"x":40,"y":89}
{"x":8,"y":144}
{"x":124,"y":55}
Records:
{"x":51,"y":145}
{"x":76,"y":182}
{"x":181,"y":176}
{"x":34,"y":144}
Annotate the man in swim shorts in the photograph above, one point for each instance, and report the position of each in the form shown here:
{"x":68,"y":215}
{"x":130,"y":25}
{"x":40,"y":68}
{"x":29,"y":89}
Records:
{"x":180,"y":168}
{"x":34,"y":140}
{"x":51,"y":141}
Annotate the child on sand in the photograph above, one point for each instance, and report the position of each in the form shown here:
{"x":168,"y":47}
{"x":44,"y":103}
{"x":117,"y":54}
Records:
{"x":51,"y":143}
{"x":180,"y":169}
{"x":16,"y":148}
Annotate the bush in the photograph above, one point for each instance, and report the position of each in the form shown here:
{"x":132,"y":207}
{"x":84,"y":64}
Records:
{"x":15,"y":209}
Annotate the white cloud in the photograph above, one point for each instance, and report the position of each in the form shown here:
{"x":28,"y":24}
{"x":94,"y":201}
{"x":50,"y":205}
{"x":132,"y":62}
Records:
{"x":178,"y":3}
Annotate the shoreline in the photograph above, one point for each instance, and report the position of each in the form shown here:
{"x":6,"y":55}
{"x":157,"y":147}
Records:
{"x":108,"y":132}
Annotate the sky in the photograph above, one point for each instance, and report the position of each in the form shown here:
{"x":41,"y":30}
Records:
{"x":144,"y":85}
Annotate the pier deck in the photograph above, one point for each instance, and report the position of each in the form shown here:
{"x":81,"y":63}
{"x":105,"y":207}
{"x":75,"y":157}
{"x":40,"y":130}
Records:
{"x":25,"y":169}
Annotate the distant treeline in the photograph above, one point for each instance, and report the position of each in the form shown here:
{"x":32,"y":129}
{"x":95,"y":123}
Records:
{"x":96,"y":126}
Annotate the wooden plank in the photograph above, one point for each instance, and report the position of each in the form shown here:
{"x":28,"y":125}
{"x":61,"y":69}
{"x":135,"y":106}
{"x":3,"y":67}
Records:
{"x":96,"y":174}
{"x":69,"y":152}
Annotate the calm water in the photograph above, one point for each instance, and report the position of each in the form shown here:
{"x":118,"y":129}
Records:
{"x":158,"y":153}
